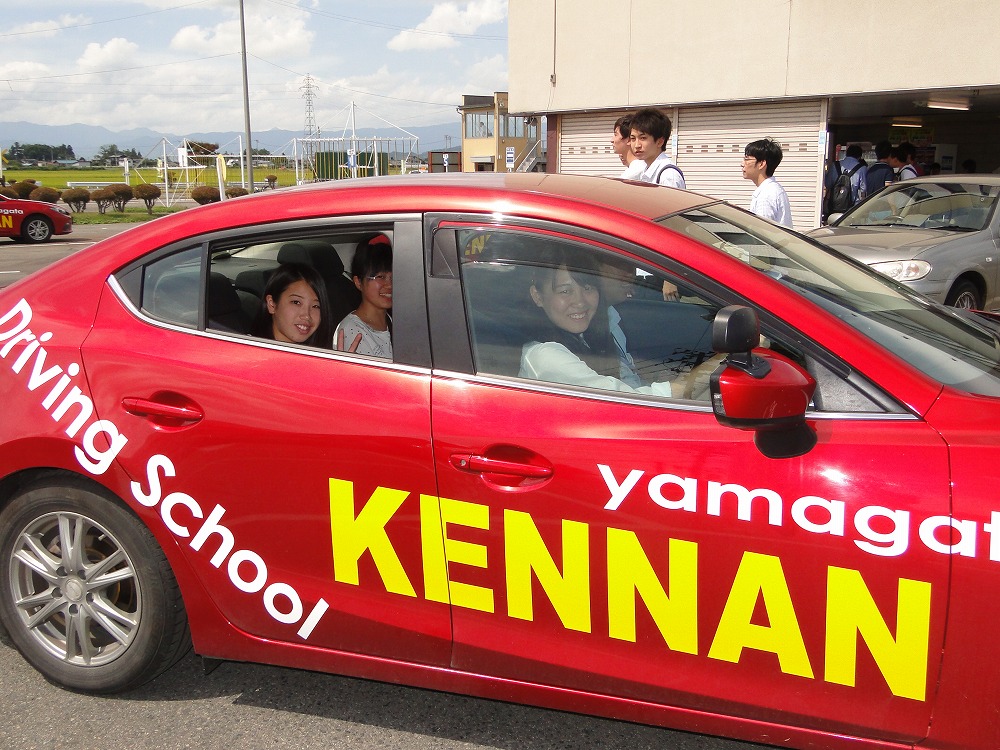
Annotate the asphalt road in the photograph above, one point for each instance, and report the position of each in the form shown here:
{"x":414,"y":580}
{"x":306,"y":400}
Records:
{"x":18,"y":259}
{"x":243,"y":706}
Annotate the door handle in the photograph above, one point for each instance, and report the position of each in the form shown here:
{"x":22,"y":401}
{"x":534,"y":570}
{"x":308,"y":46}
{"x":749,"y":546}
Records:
{"x":162,"y":412}
{"x":475,"y":464}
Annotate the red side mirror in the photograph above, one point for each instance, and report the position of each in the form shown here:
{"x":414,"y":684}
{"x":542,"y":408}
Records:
{"x":758,"y":389}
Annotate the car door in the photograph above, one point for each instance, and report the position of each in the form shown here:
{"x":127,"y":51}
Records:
{"x":258,"y":456}
{"x":625,"y":544}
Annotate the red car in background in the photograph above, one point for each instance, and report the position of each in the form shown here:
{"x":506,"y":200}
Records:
{"x":636,"y":452}
{"x":32,"y":221}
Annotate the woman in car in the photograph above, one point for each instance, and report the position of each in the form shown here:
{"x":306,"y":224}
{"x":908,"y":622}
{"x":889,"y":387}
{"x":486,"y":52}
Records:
{"x":295,"y":308}
{"x":368,"y":330}
{"x":571,"y":342}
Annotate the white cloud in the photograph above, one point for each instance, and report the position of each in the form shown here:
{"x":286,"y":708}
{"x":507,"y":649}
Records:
{"x":273,"y":36}
{"x":116,"y":53}
{"x":44,"y":29}
{"x":178,"y":69}
{"x":487,"y":76}
{"x":447,"y":19}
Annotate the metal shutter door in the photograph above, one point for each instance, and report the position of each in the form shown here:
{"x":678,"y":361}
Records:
{"x":710,"y":143}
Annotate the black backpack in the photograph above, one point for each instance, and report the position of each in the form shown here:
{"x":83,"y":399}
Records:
{"x":841,"y":196}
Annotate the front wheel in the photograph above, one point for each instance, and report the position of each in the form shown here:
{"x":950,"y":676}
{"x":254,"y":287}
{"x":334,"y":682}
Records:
{"x":36,"y":229}
{"x":86,"y":594}
{"x":965,"y":296}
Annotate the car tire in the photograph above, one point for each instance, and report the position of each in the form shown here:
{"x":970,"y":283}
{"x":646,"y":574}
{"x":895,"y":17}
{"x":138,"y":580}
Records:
{"x":86,"y":593}
{"x":964,"y":295}
{"x":36,"y":229}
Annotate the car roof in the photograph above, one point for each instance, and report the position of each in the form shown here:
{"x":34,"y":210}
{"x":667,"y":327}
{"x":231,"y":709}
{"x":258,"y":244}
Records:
{"x":644,"y":199}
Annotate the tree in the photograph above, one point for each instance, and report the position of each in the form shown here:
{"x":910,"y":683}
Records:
{"x":109,"y":153}
{"x":121,"y":194}
{"x":197,"y":148}
{"x":147,"y":194}
{"x":45,"y":194}
{"x":40,"y":152}
{"x":106,"y":152}
{"x":23,"y":188}
{"x":103,"y":197}
{"x":205,"y":194}
{"x":76,"y":199}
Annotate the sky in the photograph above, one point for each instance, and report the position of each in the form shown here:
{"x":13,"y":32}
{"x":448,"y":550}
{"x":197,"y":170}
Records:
{"x":176,"y":65}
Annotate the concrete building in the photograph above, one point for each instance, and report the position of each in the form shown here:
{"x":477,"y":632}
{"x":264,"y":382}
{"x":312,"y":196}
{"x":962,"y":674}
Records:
{"x":809,"y":73}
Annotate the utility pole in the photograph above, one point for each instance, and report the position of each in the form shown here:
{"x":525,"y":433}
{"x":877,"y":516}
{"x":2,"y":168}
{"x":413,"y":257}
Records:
{"x":246,"y":100}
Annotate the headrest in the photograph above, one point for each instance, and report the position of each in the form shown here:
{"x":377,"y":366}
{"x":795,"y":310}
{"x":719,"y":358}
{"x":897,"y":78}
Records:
{"x":320,"y":255}
{"x":222,"y":295}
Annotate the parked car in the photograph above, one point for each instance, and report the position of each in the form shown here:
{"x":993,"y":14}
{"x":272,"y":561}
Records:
{"x":770,"y":515}
{"x":32,"y":221}
{"x":940,"y":235}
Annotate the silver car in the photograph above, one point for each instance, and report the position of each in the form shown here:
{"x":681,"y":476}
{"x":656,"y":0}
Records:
{"x":939,"y":235}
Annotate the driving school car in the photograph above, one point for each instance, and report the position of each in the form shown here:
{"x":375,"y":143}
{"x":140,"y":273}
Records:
{"x":792,"y":541}
{"x":32,"y":221}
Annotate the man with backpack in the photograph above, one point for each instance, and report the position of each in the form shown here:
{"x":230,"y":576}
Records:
{"x":845,"y":182}
{"x":881,"y":173}
{"x":648,"y":135}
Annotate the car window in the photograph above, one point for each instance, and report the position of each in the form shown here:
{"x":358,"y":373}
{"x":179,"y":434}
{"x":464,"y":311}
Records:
{"x":957,"y":206}
{"x":222,"y":287}
{"x":651,"y":333}
{"x":949,"y":348}
{"x":552,"y":309}
{"x":239,"y":277}
{"x":171,"y":287}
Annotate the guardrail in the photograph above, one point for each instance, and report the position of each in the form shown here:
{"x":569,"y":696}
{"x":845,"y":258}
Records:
{"x":90,"y":185}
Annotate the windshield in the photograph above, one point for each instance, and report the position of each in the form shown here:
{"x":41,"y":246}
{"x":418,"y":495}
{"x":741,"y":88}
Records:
{"x":963,"y":207}
{"x":947,"y":347}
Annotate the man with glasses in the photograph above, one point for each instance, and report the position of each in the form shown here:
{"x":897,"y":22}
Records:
{"x":769,"y":200}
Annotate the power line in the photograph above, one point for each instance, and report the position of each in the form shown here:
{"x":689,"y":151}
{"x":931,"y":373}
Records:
{"x":114,"y":70}
{"x":69,"y":26}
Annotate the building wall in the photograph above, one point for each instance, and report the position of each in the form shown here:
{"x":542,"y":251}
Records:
{"x":669,"y":52}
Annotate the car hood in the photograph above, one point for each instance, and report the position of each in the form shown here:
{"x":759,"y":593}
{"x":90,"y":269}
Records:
{"x":874,"y":244}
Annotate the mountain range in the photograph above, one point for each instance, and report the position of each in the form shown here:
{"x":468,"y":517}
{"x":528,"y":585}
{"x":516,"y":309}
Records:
{"x":87,"y":140}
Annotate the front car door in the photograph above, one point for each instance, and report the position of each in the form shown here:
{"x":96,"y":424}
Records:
{"x":619,"y":542}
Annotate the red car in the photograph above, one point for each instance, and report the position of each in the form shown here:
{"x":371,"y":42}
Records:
{"x":32,"y":221}
{"x":635,"y":452}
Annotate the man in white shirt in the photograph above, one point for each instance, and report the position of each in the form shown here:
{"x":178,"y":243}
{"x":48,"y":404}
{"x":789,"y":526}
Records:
{"x":620,"y":145}
{"x":769,"y":200}
{"x":649,"y":131}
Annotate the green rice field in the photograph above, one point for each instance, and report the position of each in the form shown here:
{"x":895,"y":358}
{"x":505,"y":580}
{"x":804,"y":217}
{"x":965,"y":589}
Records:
{"x":60,"y":178}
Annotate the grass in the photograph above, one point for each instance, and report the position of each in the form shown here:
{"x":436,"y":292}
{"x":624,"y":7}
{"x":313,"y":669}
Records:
{"x":58,"y":178}
{"x":130,"y":216}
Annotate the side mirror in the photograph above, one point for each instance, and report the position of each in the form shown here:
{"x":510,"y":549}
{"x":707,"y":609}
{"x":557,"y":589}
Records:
{"x":759,"y":390}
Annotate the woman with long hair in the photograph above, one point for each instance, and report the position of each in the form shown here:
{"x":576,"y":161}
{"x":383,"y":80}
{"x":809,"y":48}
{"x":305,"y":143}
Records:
{"x":295,"y":308}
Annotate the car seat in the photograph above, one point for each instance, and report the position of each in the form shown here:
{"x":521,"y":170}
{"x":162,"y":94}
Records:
{"x":225,"y":308}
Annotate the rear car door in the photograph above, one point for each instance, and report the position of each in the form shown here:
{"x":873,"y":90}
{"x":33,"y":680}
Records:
{"x":258,"y":457}
{"x":621,"y":543}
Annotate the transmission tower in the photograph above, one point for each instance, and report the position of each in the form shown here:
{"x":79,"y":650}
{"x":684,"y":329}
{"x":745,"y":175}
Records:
{"x":311,"y":131}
